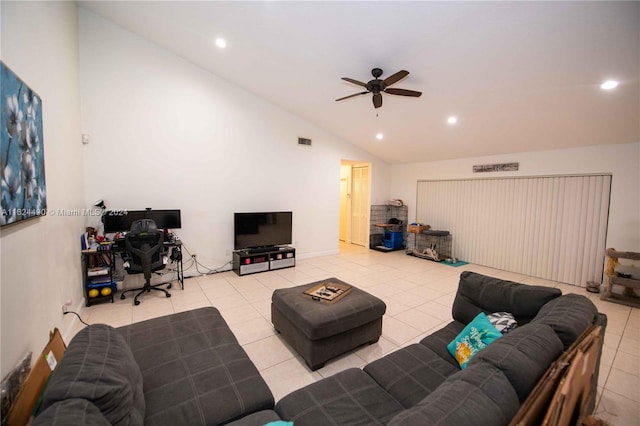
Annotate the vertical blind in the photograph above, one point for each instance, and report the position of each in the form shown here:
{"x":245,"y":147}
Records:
{"x":549,"y":227}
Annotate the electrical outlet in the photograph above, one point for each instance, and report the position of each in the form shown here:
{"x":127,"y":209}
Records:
{"x":66,"y":305}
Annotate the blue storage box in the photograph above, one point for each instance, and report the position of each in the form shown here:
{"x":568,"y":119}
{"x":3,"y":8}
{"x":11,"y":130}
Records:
{"x":393,"y":239}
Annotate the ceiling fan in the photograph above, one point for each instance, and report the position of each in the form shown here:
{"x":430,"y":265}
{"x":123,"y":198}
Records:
{"x":377,"y":86}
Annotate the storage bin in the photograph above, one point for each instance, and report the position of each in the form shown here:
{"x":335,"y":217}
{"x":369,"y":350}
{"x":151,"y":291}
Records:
{"x":393,"y":239}
{"x":417,"y":229}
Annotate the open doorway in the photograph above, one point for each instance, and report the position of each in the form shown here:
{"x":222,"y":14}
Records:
{"x":355,"y":187}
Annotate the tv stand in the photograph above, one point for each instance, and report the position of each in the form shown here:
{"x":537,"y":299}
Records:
{"x":266,"y":249}
{"x":268,"y":259}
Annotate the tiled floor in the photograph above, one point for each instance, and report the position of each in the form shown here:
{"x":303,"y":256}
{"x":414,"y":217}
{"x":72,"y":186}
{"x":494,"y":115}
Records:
{"x":418,"y":294}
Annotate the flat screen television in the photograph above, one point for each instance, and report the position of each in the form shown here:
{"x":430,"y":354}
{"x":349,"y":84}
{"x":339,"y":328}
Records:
{"x":261,"y":230}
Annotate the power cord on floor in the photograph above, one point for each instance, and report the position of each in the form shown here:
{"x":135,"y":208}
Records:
{"x":197,"y":263}
{"x":212,"y":271}
{"x":76,"y":314}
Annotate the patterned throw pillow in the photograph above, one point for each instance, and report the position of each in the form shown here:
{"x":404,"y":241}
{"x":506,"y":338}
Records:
{"x":475,"y":336}
{"x":503,"y":321}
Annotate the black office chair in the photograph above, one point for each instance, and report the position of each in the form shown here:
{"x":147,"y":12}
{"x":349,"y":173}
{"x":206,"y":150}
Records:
{"x":144,"y":247}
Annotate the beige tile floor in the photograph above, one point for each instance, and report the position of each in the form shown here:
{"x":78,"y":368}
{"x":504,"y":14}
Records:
{"x":418,"y":294}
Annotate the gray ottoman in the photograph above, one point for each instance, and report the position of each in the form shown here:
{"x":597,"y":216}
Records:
{"x":320,"y":331}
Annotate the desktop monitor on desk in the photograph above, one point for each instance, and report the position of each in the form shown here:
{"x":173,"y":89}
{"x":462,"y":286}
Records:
{"x":165,"y":219}
{"x":121,"y":220}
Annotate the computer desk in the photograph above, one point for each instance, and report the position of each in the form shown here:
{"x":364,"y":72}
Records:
{"x":119,"y":248}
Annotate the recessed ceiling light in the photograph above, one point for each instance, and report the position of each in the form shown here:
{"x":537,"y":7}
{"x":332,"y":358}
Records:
{"x":221,"y":43}
{"x":609,"y":84}
{"x":379,"y":136}
{"x":452,"y":120}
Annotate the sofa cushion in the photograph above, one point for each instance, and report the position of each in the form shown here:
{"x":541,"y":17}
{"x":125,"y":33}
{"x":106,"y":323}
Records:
{"x":479,"y":293}
{"x":350,"y":397}
{"x":71,"y":411}
{"x":98,"y":366}
{"x":194,"y":370}
{"x":439,"y":340}
{"x":568,"y":315}
{"x":522,"y":355}
{"x":411,"y":373}
{"x":478,"y":395}
{"x":477,"y":335}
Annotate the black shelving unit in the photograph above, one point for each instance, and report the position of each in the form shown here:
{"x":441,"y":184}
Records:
{"x":98,"y":279}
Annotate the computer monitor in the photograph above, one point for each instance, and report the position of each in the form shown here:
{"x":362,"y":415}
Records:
{"x":120,"y":220}
{"x":165,"y":219}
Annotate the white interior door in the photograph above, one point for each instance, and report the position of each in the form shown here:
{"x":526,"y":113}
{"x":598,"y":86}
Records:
{"x":360,"y":205}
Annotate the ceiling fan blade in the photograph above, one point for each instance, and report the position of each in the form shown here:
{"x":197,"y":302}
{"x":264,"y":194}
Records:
{"x":396,"y":77}
{"x":350,"y":80}
{"x":377,"y":100}
{"x":403,"y":92}
{"x":351,"y":96}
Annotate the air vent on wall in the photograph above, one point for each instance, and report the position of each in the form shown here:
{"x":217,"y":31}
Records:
{"x":304,"y":141}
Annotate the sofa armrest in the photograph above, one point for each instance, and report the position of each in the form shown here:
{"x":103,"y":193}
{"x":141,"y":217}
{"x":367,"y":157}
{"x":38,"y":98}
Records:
{"x":99,"y":367}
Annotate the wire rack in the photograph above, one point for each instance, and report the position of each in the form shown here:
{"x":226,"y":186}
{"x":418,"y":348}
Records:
{"x":380,"y":215}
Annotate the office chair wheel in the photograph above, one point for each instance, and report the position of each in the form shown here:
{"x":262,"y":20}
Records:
{"x":168,"y":294}
{"x":169,"y":286}
{"x":136,"y":302}
{"x":122,"y":297}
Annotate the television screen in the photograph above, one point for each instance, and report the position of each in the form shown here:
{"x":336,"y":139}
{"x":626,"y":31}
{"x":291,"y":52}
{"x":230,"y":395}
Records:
{"x":252,"y":230}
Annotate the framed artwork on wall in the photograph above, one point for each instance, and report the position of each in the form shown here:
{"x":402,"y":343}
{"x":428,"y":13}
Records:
{"x":23,"y":192}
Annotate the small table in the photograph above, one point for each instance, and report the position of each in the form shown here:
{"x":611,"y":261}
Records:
{"x":320,"y":331}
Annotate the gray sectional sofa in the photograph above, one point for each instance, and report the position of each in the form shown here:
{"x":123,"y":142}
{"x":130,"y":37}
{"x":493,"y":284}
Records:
{"x":422,"y":384}
{"x":188,"y":369}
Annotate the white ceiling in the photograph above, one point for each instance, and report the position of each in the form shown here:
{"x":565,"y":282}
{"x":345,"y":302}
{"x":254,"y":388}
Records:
{"x":520,"y":76}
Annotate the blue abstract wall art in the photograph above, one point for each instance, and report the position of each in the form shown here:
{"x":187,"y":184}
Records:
{"x":24,"y":192}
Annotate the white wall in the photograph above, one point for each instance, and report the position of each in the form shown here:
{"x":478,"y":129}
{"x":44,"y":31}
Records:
{"x":168,"y":134}
{"x":40,"y":258}
{"x":622,"y":161}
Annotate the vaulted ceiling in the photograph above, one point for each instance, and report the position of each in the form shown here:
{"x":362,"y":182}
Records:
{"x":519,"y":76}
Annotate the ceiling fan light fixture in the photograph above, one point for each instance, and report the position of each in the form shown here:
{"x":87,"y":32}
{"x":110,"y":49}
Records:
{"x":452,"y":119}
{"x":379,"y":136}
{"x":609,"y":84}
